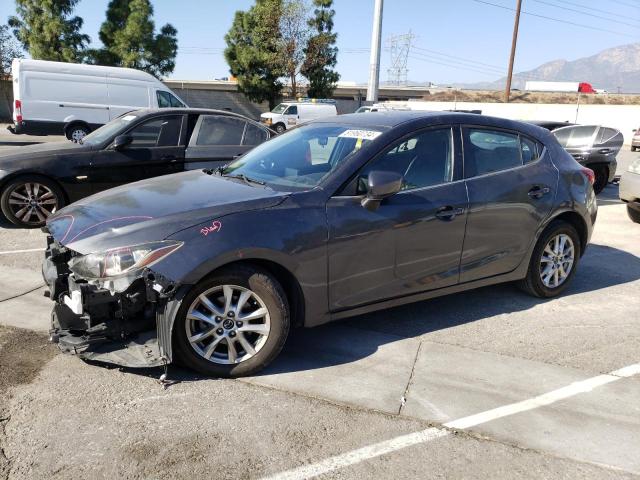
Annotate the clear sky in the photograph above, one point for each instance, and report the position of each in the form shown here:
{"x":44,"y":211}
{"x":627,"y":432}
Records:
{"x":457,"y":40}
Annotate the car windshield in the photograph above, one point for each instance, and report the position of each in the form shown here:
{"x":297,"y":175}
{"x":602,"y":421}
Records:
{"x":301,"y":158}
{"x":109,"y":130}
{"x":280,"y":108}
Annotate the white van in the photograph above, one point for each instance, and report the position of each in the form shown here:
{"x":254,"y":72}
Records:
{"x":290,"y":114}
{"x":52,"y":98}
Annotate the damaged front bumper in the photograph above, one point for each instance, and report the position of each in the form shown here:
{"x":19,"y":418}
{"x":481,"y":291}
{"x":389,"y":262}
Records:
{"x":128,"y":326}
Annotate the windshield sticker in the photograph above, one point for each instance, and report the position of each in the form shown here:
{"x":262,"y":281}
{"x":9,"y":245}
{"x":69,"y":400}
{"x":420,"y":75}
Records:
{"x":214,"y":227}
{"x":128,"y":118}
{"x":360,"y":134}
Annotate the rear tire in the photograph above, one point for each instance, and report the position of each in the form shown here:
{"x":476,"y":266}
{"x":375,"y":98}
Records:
{"x":76,"y":132}
{"x":602,"y":178}
{"x":219,"y":310}
{"x":535,"y":283}
{"x":634,"y":215}
{"x":28,"y":201}
{"x":633,"y":149}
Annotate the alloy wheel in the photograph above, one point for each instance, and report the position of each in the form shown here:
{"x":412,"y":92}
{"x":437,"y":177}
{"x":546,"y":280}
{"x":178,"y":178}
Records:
{"x":78,"y":134}
{"x":557,"y":260}
{"x":227,"y":324}
{"x":32,"y":203}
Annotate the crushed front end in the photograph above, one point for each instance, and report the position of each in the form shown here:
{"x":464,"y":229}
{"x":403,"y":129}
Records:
{"x":123,"y":320}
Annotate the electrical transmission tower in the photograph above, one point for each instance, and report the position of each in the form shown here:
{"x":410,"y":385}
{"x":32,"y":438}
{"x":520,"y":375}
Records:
{"x":399,"y":47}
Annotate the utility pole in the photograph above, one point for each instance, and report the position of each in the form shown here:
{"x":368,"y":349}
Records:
{"x":514,"y":41}
{"x":374,"y":62}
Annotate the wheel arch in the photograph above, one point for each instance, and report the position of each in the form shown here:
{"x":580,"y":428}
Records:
{"x":576,"y":221}
{"x":290,"y":284}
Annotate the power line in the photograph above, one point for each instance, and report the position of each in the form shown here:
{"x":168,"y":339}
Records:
{"x":585,"y":7}
{"x":586,"y":13}
{"x":556,"y":19}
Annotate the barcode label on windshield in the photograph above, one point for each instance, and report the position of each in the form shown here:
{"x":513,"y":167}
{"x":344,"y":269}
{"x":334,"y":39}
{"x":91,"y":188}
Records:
{"x":361,"y":134}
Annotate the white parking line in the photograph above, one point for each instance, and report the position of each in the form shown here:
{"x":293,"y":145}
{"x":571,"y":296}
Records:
{"x":11,"y":252}
{"x":398,"y":443}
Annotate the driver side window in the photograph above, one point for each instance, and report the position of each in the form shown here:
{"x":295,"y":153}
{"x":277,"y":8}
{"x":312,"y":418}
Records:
{"x":423,"y":160}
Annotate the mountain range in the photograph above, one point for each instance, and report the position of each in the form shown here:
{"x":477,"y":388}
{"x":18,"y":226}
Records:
{"x":614,"y":69}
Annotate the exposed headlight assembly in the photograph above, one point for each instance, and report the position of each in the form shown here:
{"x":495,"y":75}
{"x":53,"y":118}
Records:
{"x":635,"y":166}
{"x":121,"y":261}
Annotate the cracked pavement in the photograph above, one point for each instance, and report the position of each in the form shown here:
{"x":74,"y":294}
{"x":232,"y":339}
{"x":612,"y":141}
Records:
{"x":347,"y":385}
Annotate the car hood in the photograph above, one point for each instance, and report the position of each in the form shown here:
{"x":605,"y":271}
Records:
{"x":154,"y":209}
{"x":16,"y":155}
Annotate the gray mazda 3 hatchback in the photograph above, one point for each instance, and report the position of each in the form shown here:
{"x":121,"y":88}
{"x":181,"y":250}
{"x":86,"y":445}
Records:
{"x":336,"y":218}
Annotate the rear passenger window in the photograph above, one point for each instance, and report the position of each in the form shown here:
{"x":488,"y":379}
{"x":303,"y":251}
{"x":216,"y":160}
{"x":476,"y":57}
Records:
{"x":220,"y":130}
{"x":531,"y":150}
{"x":488,"y":151}
{"x":254,"y":135}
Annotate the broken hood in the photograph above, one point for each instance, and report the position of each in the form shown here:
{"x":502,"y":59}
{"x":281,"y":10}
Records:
{"x":154,"y":209}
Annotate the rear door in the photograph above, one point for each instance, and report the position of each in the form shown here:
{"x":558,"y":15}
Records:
{"x":157,"y":149}
{"x":218,"y":139}
{"x":511,"y":184}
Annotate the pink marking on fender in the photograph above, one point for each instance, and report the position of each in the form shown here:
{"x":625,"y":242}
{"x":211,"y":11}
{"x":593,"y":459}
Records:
{"x":216,"y":226}
{"x":107,"y":221}
{"x":68,"y":228}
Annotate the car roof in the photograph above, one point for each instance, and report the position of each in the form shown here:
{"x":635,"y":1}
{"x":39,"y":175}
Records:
{"x":387,"y":119}
{"x":183,"y":110}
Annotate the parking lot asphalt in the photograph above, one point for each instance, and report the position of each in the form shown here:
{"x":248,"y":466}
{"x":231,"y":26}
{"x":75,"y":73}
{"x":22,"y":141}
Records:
{"x":489,"y":383}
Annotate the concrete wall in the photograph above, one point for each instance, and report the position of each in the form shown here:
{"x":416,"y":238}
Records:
{"x":623,"y":117}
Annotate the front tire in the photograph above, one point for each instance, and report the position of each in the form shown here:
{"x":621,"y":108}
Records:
{"x":554,"y":261}
{"x":232,"y":324}
{"x":28,"y":201}
{"x":634,"y":215}
{"x":280,"y":129}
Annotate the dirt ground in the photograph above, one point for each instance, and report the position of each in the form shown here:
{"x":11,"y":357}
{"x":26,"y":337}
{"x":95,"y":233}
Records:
{"x":23,"y":353}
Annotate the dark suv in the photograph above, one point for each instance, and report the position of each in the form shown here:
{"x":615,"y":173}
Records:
{"x":333,"y":219}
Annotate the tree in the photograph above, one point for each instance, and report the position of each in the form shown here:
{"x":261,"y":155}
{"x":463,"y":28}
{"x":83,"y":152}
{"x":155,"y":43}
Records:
{"x":321,"y":52}
{"x":294,"y":35}
{"x":253,"y":51}
{"x":129,"y":39}
{"x":46,"y":29}
{"x":9,"y":49}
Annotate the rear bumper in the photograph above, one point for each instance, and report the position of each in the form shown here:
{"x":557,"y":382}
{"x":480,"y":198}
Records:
{"x":131,"y":328}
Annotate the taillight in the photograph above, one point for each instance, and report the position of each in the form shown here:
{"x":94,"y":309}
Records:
{"x":590,"y":175}
{"x":18,"y":110}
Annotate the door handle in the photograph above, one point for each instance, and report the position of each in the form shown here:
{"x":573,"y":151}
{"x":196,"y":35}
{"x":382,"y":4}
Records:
{"x":237,"y":156}
{"x":448,"y":213}
{"x":538,"y":192}
{"x":604,"y":151}
{"x":167,"y":158}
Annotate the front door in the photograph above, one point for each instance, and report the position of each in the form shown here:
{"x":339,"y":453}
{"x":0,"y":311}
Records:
{"x":511,"y":183}
{"x":156,"y":149}
{"x":413,"y":241}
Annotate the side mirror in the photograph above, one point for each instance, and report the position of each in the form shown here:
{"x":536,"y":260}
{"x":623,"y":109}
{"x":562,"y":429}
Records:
{"x":122,"y":141}
{"x":381,"y":185}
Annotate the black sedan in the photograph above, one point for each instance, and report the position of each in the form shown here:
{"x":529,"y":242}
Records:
{"x":333,"y":219}
{"x":38,"y":180}
{"x":593,"y":146}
